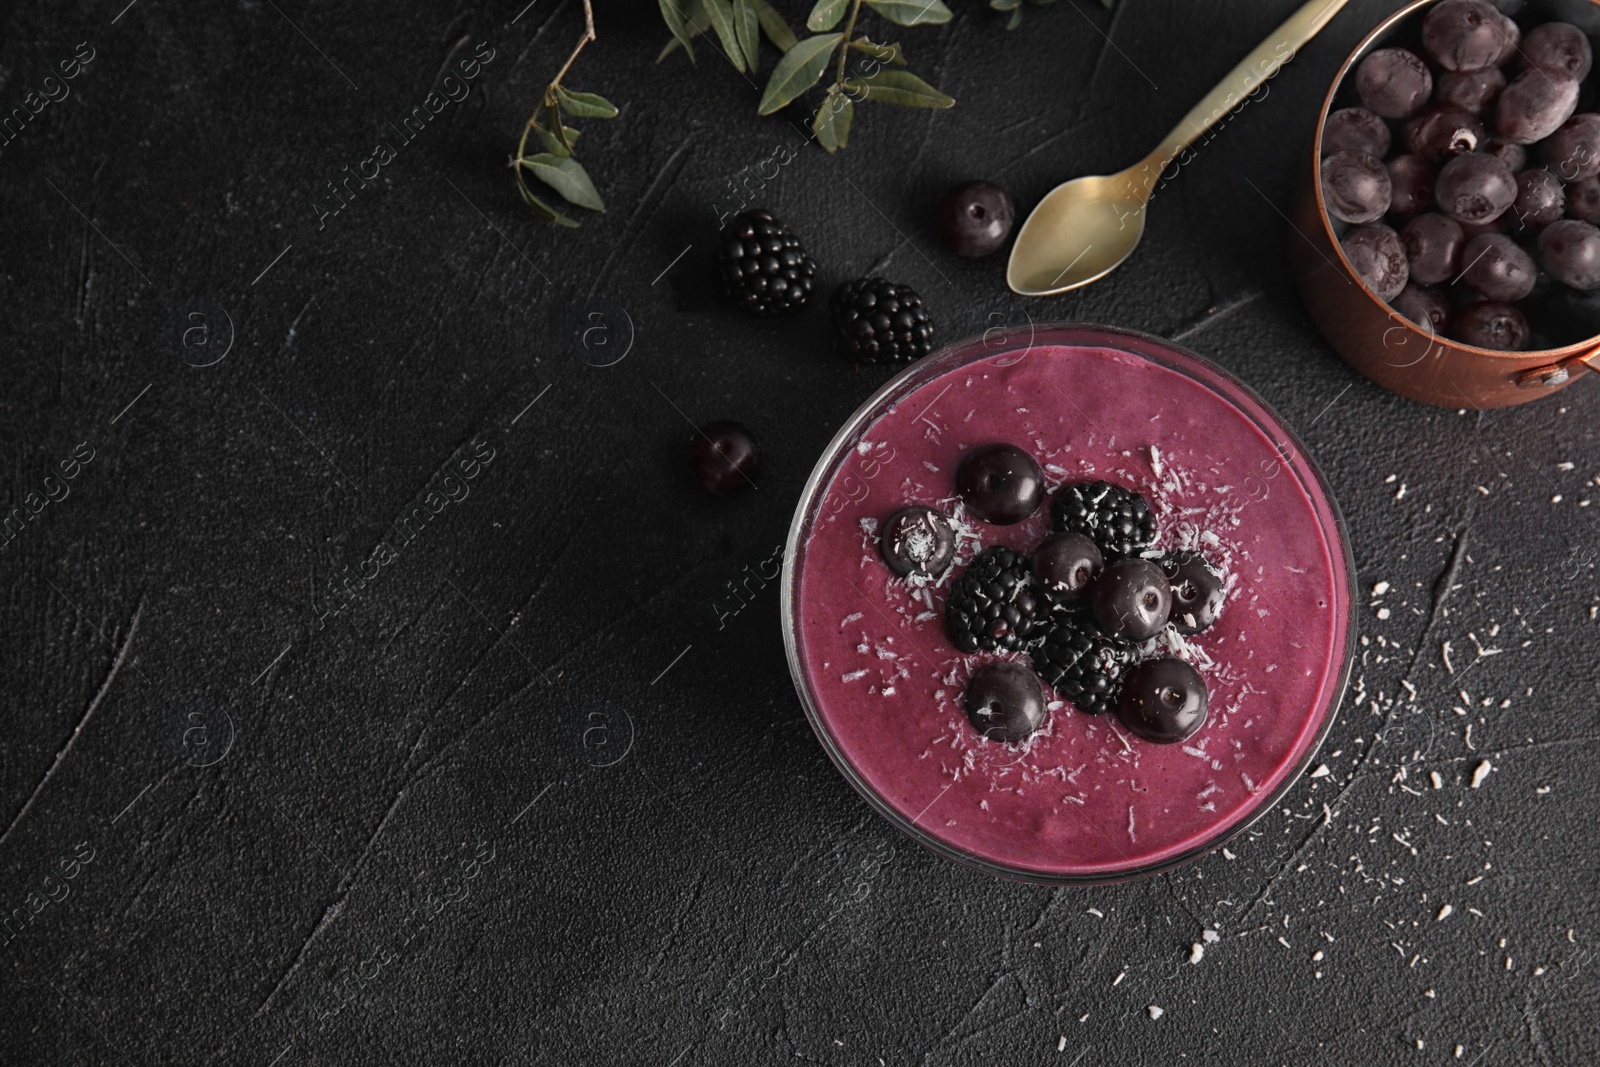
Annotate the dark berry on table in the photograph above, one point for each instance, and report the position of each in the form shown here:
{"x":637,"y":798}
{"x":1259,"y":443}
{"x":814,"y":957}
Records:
{"x":1411,"y":186}
{"x":1424,"y":305}
{"x":1583,"y":200}
{"x":1570,"y":251}
{"x":1355,"y":186}
{"x":1067,"y":566}
{"x":975,"y":218}
{"x":1005,"y":702}
{"x":1540,"y":199}
{"x":1083,"y":666}
{"x":1534,"y":106}
{"x":1118,"y":520}
{"x":1464,"y":34}
{"x":1000,"y":484}
{"x":1573,"y":151}
{"x":1393,"y":82}
{"x":917,"y":540}
{"x":1475,"y":187}
{"x":1443,"y":131}
{"x":1355,"y":129}
{"x":1378,"y":257}
{"x":1512,"y":155}
{"x":1472,"y":90}
{"x":1433,"y":244}
{"x":877,"y":321}
{"x":1560,"y":48}
{"x":1131,"y":600}
{"x":724,"y":457}
{"x":1500,"y":327}
{"x":761,"y":267}
{"x":1197,"y":591}
{"x":994,"y":604}
{"x":1163,"y":700}
{"x":1497,"y":268}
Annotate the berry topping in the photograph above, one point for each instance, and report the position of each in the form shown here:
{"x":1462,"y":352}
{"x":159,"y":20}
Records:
{"x":1083,"y":666}
{"x":1464,"y":34}
{"x":1005,"y":702}
{"x":1534,"y":106}
{"x":724,"y":457}
{"x":1475,"y":187}
{"x":1540,"y":199}
{"x":1000,"y":483}
{"x":1393,"y":82}
{"x":1197,"y":591}
{"x":1379,"y":258}
{"x":1424,"y":305}
{"x":975,"y":218}
{"x":1116,"y":519}
{"x":1355,"y":128}
{"x":1163,"y":700}
{"x":1132,"y":599}
{"x":1355,"y":186}
{"x":762,"y":268}
{"x":1570,"y":251}
{"x":1573,"y":151}
{"x":1490,"y":325}
{"x":1067,"y":565}
{"x":994,"y":604}
{"x":1443,"y":131}
{"x":1497,"y":268}
{"x":917,"y":540}
{"x":1411,"y":184}
{"x":1583,"y":200}
{"x":1433,"y":246}
{"x":1560,"y":48}
{"x":877,"y":321}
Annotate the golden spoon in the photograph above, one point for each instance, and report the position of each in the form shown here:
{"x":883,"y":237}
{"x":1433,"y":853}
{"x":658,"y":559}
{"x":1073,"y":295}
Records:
{"x":1085,"y":228}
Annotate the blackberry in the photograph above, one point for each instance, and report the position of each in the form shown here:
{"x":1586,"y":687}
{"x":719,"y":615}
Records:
{"x":1116,"y":519}
{"x":877,"y":321}
{"x":762,"y":268}
{"x":1083,"y":665}
{"x":994,"y":604}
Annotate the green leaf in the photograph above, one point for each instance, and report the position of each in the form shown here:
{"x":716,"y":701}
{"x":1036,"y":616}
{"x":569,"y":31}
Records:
{"x":898,"y":87}
{"x":697,"y":22}
{"x":826,"y":15}
{"x":553,"y":144}
{"x":1015,"y":20}
{"x":994,"y":5}
{"x":586,"y":105}
{"x":722,"y":21}
{"x":888,"y":53}
{"x":672,"y":15}
{"x":832,"y":124}
{"x":911,"y":12}
{"x":798,"y":71}
{"x":748,"y":30}
{"x":1108,"y":4}
{"x":567,"y":177}
{"x":542,"y":210}
{"x":777,"y":30}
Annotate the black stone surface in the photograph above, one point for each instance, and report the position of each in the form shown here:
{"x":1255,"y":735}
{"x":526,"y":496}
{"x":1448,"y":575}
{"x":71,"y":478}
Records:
{"x":543,"y":793}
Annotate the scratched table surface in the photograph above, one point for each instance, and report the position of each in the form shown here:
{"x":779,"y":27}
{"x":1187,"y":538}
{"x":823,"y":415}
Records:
{"x":375,"y":687}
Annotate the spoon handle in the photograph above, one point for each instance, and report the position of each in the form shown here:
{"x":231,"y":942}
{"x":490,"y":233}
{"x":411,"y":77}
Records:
{"x":1244,"y":79}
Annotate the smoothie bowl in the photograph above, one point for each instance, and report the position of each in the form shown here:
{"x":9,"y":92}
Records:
{"x":1068,"y":604}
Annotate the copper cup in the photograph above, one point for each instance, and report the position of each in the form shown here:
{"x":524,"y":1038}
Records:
{"x":1380,"y":342}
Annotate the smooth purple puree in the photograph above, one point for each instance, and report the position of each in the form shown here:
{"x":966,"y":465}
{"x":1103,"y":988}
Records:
{"x":1082,"y":796}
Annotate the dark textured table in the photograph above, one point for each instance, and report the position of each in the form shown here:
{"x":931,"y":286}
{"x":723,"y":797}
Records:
{"x":539,"y":789}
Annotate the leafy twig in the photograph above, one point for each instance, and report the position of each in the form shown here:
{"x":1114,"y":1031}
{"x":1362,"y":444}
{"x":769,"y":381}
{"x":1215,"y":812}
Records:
{"x":555,"y":166}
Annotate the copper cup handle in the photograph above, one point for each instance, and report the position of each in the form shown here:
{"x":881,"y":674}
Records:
{"x":1548,"y":377}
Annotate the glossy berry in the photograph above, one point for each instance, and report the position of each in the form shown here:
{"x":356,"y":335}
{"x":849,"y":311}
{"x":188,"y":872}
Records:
{"x":1444,"y":131}
{"x":917,"y":540}
{"x":1513,"y":156}
{"x":1475,"y":187}
{"x":876,"y":321}
{"x":1534,"y":106}
{"x":1510,"y":40}
{"x":975,"y":218}
{"x":1163,"y":700}
{"x":1424,"y":305}
{"x":1496,"y":268}
{"x":1005,"y":702}
{"x":1500,"y":327}
{"x":1116,"y":519}
{"x":1433,"y":244}
{"x":1131,"y":600}
{"x":1378,"y":257}
{"x":1355,"y":186}
{"x":1393,"y":83}
{"x":1559,"y":48}
{"x":1197,"y":591}
{"x":1573,"y":151}
{"x":724,"y":457}
{"x":1570,"y":251}
{"x":1000,"y":484}
{"x":1540,"y":199}
{"x":1411,"y":186}
{"x":1355,"y":129}
{"x":1067,"y":565}
{"x":1082,"y":665}
{"x":761,"y":267}
{"x":1583,"y":200}
{"x":1472,"y":90}
{"x":1464,"y":34}
{"x":994,"y":604}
